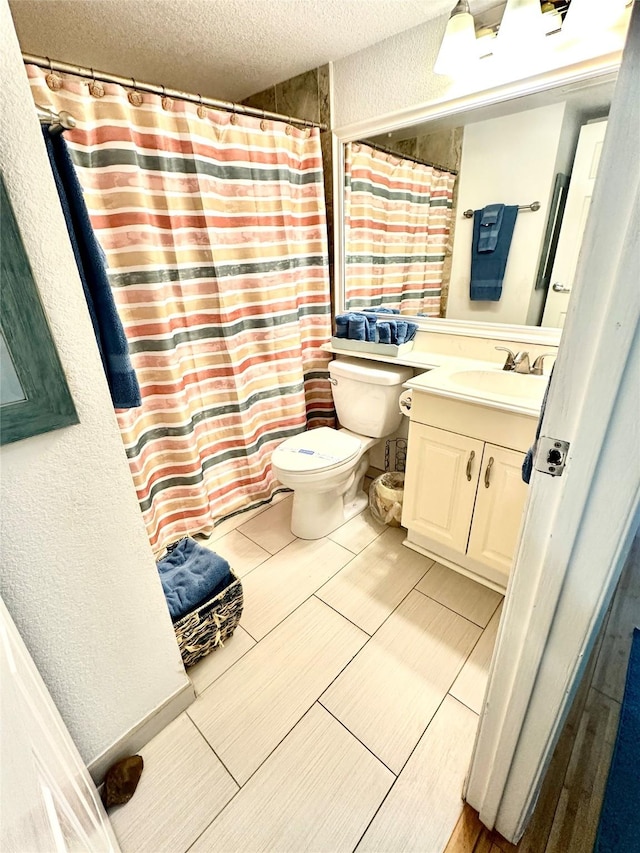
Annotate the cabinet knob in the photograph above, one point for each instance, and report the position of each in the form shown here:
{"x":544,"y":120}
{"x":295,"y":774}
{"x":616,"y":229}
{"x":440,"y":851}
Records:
{"x":472,"y":456}
{"x":487,"y":473}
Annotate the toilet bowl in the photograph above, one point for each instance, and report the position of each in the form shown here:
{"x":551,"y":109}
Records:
{"x":326,"y":467}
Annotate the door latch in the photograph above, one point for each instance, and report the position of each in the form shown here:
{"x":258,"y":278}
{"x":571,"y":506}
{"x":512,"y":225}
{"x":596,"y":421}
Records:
{"x":551,"y":455}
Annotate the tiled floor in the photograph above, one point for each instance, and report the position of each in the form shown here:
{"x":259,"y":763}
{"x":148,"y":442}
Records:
{"x":340,"y":716}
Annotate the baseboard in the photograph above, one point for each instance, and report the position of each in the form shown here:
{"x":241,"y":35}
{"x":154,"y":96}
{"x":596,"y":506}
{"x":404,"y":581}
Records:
{"x":143,"y":732}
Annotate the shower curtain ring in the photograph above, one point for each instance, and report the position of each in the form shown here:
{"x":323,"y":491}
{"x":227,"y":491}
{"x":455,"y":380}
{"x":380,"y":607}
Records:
{"x":96,"y":88}
{"x":263,"y":123}
{"x":234,"y":115}
{"x":202,"y":113}
{"x":135,"y":98}
{"x":166,"y":102}
{"x":52,"y":80}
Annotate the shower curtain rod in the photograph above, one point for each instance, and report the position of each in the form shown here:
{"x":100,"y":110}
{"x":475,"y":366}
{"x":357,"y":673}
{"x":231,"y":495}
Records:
{"x":411,"y":159}
{"x":131,"y":83}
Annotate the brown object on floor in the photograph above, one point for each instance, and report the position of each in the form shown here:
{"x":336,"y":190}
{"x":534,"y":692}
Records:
{"x":121,"y":781}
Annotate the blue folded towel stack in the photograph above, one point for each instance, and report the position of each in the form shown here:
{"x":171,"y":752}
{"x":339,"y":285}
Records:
{"x":366,"y":326}
{"x":191,"y":574}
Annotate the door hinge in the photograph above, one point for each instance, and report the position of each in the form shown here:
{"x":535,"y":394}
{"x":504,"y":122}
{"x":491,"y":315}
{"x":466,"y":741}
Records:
{"x":551,"y":455}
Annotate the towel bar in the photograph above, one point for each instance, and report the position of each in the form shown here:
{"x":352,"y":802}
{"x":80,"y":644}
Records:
{"x":535,"y":205}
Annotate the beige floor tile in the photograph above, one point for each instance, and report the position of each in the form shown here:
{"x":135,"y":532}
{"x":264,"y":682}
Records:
{"x":182,"y":788}
{"x":284,"y":581}
{"x":241,"y":518}
{"x":390,"y":691}
{"x":368,"y":589}
{"x":471,"y":683}
{"x":271,"y":529}
{"x":318,"y":792}
{"x":421,"y":811}
{"x":214,"y":664}
{"x":472,"y":600}
{"x":359,"y":532}
{"x":242,"y":554}
{"x":256,"y":703}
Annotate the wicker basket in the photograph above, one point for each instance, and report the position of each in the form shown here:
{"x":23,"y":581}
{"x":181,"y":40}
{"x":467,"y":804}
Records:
{"x":206,"y":628}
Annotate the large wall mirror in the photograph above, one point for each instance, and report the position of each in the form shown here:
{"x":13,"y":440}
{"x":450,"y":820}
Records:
{"x":422,"y":202}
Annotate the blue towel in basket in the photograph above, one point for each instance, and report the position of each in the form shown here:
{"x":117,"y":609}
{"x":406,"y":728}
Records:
{"x":191,"y":574}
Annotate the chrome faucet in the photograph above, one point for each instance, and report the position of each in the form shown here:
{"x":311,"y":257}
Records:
{"x":537,"y":369}
{"x":521,"y":363}
{"x":510,"y":361}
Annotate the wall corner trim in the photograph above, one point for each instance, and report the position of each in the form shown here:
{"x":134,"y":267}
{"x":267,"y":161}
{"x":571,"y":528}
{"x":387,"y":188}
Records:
{"x":143,"y":732}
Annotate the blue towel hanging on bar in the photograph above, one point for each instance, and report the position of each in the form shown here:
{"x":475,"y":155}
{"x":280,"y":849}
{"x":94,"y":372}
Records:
{"x":488,"y":264}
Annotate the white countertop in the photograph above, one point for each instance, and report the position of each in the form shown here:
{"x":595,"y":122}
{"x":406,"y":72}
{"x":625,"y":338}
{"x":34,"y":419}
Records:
{"x":416,"y":358}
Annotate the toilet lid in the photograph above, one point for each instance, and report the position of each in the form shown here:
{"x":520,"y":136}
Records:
{"x":316,"y":449}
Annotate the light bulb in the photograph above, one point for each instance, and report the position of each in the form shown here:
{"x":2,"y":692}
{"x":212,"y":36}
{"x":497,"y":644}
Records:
{"x":585,"y":17}
{"x":458,"y":48}
{"x":522,"y":29}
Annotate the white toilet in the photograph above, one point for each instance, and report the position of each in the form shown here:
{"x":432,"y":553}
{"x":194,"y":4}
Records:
{"x":326,"y":467}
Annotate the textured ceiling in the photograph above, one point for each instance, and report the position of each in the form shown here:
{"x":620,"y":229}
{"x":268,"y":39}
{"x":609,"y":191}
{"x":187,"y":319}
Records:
{"x":221,"y":48}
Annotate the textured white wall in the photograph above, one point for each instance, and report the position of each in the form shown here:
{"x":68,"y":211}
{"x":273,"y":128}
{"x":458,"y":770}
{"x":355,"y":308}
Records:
{"x":396,"y":74}
{"x":389,"y":76}
{"x":78,"y":575}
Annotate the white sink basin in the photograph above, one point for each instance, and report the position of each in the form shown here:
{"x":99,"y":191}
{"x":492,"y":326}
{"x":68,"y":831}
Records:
{"x":493,"y":387}
{"x":500,"y":382}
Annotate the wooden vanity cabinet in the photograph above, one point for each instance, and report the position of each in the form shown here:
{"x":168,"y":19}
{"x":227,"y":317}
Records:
{"x":464,"y":496}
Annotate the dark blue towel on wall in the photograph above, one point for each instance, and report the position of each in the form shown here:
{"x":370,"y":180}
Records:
{"x":107,"y":326}
{"x":487,"y":265}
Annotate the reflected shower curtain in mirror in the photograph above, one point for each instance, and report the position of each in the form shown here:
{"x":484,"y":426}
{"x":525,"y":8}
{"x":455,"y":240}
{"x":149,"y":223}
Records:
{"x":397,"y":223}
{"x":214,"y":229}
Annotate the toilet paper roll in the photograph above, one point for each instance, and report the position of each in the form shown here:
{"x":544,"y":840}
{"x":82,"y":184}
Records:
{"x":405,"y":402}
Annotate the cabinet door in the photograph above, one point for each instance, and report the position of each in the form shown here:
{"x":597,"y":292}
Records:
{"x":498,"y":510}
{"x":440,"y":484}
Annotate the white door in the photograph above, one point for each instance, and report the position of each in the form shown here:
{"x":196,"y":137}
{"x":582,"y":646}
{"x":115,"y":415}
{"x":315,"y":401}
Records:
{"x":578,"y":527}
{"x":583,"y":177}
{"x":49,"y":801}
{"x":498,"y":511}
{"x":440,"y":484}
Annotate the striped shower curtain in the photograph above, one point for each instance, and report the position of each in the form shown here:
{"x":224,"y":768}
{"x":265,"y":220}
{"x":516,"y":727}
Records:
{"x":214,"y":230}
{"x":397,"y":223}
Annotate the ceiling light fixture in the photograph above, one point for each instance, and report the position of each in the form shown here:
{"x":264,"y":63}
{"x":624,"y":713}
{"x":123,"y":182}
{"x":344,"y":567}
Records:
{"x":459,"y":48}
{"x":585,"y":17}
{"x":522,"y":29}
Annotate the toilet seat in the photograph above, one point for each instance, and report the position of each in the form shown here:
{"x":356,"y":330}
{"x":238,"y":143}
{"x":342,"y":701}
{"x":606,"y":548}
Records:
{"x":320,"y":449}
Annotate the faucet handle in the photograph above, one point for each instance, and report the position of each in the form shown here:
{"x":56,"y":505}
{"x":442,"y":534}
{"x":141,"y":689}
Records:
{"x":510,"y":363}
{"x":537,"y":368}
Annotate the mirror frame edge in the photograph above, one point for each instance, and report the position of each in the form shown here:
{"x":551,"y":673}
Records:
{"x":598,"y":69}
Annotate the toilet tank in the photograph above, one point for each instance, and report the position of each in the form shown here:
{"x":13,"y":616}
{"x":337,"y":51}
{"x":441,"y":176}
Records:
{"x":366,"y":395}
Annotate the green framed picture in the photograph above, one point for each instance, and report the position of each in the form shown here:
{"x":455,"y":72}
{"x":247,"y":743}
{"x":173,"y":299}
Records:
{"x":34,"y":396}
